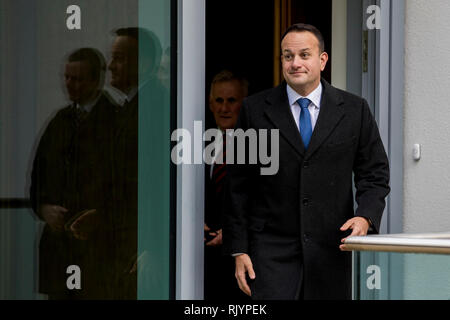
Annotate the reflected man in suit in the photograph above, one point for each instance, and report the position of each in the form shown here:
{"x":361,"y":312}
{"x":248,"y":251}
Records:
{"x":226,"y":95}
{"x":135,"y":61}
{"x":285,"y":230}
{"x":71,"y":174}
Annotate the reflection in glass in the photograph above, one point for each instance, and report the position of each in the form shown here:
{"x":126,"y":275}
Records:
{"x":79,"y":107}
{"x":401,"y":276}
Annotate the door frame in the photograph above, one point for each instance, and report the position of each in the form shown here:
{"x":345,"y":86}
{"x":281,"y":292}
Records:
{"x":375,"y":71}
{"x":190,"y":178}
{"x":383,"y":87}
{"x":378,"y":58}
{"x":388,"y":94}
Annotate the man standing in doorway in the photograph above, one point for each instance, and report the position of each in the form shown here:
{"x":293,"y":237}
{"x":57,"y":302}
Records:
{"x":285,"y":230}
{"x":225,"y":100}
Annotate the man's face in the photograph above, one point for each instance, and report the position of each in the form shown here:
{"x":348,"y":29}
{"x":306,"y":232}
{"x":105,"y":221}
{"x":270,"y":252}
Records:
{"x":79,"y":83}
{"x":225,"y":103}
{"x":124,"y":63}
{"x":302,"y":61}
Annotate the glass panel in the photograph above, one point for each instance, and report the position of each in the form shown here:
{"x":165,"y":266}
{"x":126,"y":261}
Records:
{"x":154,"y":150}
{"x":401,"y":276}
{"x":84,"y":147}
{"x":18,"y":276}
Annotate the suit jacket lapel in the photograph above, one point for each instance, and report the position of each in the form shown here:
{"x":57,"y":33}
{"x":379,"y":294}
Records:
{"x":280,"y":114}
{"x":331,"y":112}
{"x":129,"y":111}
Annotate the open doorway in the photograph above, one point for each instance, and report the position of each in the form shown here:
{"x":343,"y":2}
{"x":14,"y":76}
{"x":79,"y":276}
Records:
{"x":239,"y":37}
{"x":244,"y":37}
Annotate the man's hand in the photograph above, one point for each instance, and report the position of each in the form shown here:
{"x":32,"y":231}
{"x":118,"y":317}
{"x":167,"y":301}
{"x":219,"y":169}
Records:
{"x":53,"y":215}
{"x":217,"y":240}
{"x":359,"y":226}
{"x":83,"y":227}
{"x":244,"y":265}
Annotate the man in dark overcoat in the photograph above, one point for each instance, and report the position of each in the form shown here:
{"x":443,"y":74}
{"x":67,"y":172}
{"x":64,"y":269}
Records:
{"x":285,"y":230}
{"x":72,"y":173}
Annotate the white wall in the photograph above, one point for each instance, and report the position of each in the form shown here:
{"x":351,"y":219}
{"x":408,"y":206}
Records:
{"x":427,"y":116}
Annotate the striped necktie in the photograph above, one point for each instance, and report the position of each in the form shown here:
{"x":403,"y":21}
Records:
{"x":220,"y":169}
{"x":80,"y":115}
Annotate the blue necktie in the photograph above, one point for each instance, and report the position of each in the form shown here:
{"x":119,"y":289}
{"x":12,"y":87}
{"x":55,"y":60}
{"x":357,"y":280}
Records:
{"x":305,"y":121}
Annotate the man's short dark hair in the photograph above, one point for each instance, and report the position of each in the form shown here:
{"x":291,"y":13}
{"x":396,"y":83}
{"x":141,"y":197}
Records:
{"x":149,"y":46}
{"x":226,"y":76}
{"x":96,"y":61}
{"x":303,"y":27}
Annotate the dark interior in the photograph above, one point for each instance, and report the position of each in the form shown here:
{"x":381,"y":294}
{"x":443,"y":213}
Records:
{"x":240,"y":36}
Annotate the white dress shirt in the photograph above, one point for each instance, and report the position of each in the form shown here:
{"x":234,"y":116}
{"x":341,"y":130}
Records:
{"x":124,"y":98}
{"x":314,"y":107}
{"x":89,"y":105}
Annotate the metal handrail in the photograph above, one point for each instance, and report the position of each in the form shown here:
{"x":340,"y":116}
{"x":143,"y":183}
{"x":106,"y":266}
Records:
{"x":436,"y":243}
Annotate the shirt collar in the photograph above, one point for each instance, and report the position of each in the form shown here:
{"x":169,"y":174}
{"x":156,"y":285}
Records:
{"x":315,"y":96}
{"x":122,"y":97}
{"x":88,"y":105}
{"x":227,"y":132}
{"x":220,"y":134}
{"x":128,"y":97}
{"x":133,"y":91}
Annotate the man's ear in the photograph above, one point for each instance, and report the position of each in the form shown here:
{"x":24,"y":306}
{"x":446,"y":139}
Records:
{"x":323,"y":60}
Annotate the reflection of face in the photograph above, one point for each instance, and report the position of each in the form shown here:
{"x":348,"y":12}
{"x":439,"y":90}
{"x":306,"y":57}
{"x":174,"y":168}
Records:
{"x":79,"y":83}
{"x":225,"y":103}
{"x":302,"y":61}
{"x":124,"y":63}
